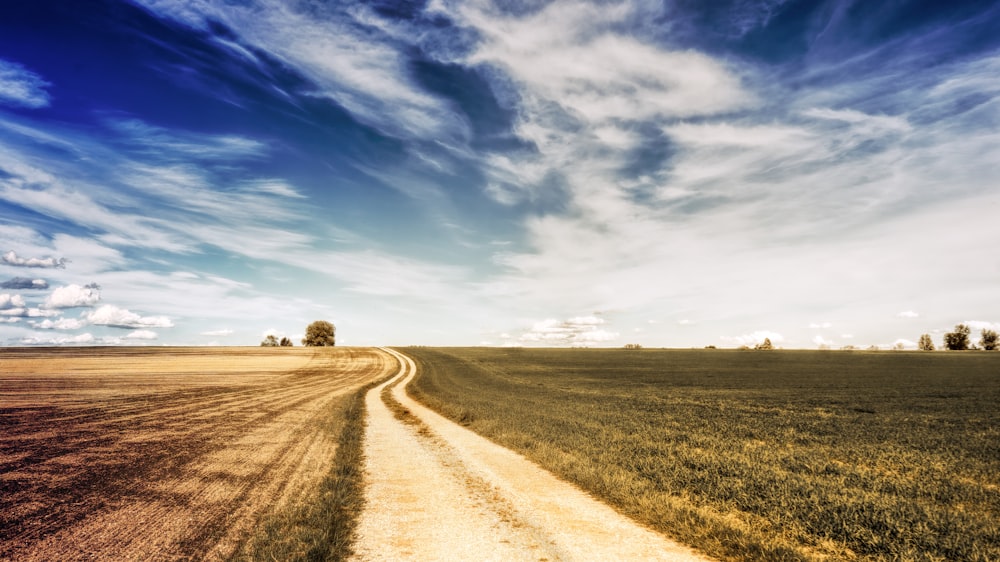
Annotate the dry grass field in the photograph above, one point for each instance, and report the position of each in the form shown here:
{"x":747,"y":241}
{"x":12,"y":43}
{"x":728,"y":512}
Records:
{"x":180,"y":453}
{"x":747,"y":455}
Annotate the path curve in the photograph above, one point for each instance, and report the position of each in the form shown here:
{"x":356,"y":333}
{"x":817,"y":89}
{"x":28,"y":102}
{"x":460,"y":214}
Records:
{"x":437,"y":491}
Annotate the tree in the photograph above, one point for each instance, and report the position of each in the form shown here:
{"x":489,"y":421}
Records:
{"x":320,"y":334}
{"x":766,"y":344}
{"x":959,"y":339}
{"x":285,"y":342}
{"x":269,"y":341}
{"x":989,"y":340}
{"x":925,"y":343}
{"x":633,"y":346}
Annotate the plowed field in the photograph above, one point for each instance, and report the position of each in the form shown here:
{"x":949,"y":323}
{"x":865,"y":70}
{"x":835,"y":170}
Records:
{"x":163,"y":453}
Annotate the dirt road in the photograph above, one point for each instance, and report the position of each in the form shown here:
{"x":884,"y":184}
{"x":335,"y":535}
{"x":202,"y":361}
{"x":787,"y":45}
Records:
{"x":437,"y":491}
{"x":165,"y":454}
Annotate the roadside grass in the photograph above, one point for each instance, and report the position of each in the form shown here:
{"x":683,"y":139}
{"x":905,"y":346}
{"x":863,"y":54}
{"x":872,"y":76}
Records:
{"x":783,"y":455}
{"x":322,"y":527}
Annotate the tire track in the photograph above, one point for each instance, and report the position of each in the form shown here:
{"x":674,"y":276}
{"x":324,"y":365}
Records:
{"x":437,"y":491}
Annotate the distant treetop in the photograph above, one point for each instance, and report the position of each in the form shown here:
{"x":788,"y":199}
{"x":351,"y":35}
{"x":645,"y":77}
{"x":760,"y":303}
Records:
{"x":320,"y":334}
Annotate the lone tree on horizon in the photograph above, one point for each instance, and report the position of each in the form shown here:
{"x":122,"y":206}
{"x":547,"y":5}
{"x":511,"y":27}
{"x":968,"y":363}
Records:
{"x":959,"y":339}
{"x":320,"y":334}
{"x":989,"y":340}
{"x":925,"y":343}
{"x":269,"y":341}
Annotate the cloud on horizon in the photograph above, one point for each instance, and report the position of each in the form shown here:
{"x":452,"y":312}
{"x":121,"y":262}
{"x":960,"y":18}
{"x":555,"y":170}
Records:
{"x":581,"y":331}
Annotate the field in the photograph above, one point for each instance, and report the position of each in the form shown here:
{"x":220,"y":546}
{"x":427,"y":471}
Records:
{"x":180,"y":453}
{"x":783,"y":455}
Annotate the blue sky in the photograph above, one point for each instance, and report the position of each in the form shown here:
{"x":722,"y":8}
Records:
{"x":669,"y":173}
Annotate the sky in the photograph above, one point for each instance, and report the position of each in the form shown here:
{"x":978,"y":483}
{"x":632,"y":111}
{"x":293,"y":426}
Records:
{"x":670,"y":173}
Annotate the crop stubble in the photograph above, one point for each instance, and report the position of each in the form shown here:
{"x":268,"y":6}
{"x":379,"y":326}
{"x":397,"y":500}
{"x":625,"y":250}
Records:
{"x":785,"y":455}
{"x":163,"y":453}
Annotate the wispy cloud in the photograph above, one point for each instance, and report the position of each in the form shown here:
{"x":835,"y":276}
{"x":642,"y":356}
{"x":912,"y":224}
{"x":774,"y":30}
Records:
{"x":21,"y":87}
{"x":60,"y":324}
{"x":112,"y":316}
{"x":11,"y":258}
{"x":355,"y":64}
{"x":80,"y":339}
{"x":580,"y":331}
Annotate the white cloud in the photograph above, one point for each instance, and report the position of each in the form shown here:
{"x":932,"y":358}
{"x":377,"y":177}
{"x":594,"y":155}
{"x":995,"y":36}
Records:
{"x":907,"y":314}
{"x":568,"y":54}
{"x":217,"y":333}
{"x":142,"y":335}
{"x":111,"y":315}
{"x":578,"y":331}
{"x":80,"y":339}
{"x":820,"y":325}
{"x":820,"y":341}
{"x":978,"y":326}
{"x":275,"y":187}
{"x":28,"y":312}
{"x":902,"y":343}
{"x":72,"y":296}
{"x":20,"y":87}
{"x":755,"y":338}
{"x":8,"y":301}
{"x":11,"y":258}
{"x":578,"y":86}
{"x":60,"y":324}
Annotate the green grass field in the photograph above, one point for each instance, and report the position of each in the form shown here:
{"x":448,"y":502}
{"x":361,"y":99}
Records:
{"x":781,"y":455}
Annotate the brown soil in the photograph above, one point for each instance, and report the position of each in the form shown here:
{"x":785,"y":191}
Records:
{"x":162,"y":453}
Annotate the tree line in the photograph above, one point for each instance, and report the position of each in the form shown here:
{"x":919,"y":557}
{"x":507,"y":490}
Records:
{"x":958,"y":340}
{"x":318,"y":334}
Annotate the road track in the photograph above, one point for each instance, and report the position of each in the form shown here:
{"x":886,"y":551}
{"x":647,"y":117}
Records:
{"x":437,"y":491}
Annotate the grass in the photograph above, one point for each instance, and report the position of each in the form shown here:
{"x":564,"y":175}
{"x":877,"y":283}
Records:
{"x":322,"y":529}
{"x":788,"y":455}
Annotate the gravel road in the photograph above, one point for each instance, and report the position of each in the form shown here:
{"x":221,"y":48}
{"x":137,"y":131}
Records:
{"x":437,"y":491}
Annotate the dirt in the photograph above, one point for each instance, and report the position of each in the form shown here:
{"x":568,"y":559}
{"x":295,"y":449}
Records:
{"x":437,"y":491}
{"x":162,"y":453}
